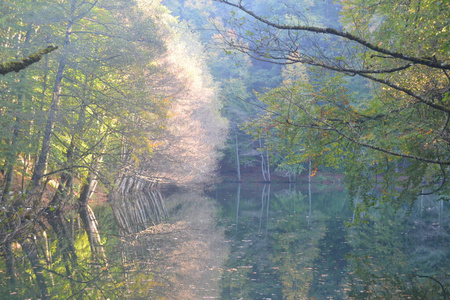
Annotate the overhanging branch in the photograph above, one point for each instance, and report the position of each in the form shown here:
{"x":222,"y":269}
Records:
{"x":430,"y":62}
{"x":16,"y":66}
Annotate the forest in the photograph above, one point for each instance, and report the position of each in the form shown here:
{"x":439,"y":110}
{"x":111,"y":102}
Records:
{"x":116,"y":101}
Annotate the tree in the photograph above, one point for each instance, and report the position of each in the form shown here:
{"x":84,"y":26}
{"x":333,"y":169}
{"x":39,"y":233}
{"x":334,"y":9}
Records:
{"x":74,"y":134}
{"x":188,"y":151}
{"x":94,"y":113}
{"x":400,"y":50}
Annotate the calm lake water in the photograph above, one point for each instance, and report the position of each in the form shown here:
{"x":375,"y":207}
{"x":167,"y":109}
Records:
{"x":251,"y":241}
{"x":292,"y":242}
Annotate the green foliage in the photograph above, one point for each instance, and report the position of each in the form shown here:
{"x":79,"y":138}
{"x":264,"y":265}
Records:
{"x":103,"y":104}
{"x":405,"y":24}
{"x":387,"y":129}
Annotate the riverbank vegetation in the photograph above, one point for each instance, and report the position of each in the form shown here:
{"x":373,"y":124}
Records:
{"x":367,"y":94}
{"x":110,"y":99}
{"x":125,"y":103}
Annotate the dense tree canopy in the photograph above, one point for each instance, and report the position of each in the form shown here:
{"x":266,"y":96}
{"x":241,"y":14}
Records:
{"x":125,"y":103}
{"x":375,"y":98}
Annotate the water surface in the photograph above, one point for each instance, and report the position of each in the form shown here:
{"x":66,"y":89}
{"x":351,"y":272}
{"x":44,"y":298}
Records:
{"x":301,"y":242}
{"x":249,"y":241}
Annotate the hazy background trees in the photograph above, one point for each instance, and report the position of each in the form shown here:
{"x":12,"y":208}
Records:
{"x":374,"y":103}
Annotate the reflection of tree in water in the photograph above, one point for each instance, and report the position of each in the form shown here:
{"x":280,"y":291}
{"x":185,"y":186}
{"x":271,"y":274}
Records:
{"x":248,"y":267}
{"x":54,"y":258}
{"x":64,"y":254}
{"x":57,"y":260}
{"x":276,"y":262}
{"x":401,"y":256}
{"x":136,"y":204}
{"x":184,"y":255}
{"x":296,"y":242}
{"x":134,"y":255}
{"x":331,"y":262}
{"x":305,"y":249}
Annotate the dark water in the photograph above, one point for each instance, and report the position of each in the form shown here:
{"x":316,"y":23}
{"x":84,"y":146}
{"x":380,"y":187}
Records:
{"x":245,"y":242}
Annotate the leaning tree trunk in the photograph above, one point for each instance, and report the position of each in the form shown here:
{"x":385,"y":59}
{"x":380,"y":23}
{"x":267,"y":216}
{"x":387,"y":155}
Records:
{"x":29,"y":247}
{"x":43,"y":155}
{"x":90,"y":221}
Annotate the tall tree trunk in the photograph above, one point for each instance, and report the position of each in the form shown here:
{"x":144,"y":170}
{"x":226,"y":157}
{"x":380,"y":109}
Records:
{"x":267,"y":211}
{"x":238,"y":202}
{"x":9,"y":178}
{"x":43,"y":156}
{"x":263,"y":169}
{"x":8,"y":181}
{"x":268,"y":165}
{"x":238,"y":163}
{"x":265,"y":162}
{"x":10,"y":163}
{"x":309,"y":192}
{"x":10,"y":265}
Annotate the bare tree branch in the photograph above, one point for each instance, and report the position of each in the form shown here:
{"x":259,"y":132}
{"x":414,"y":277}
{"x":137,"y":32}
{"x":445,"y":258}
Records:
{"x":427,"y":61}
